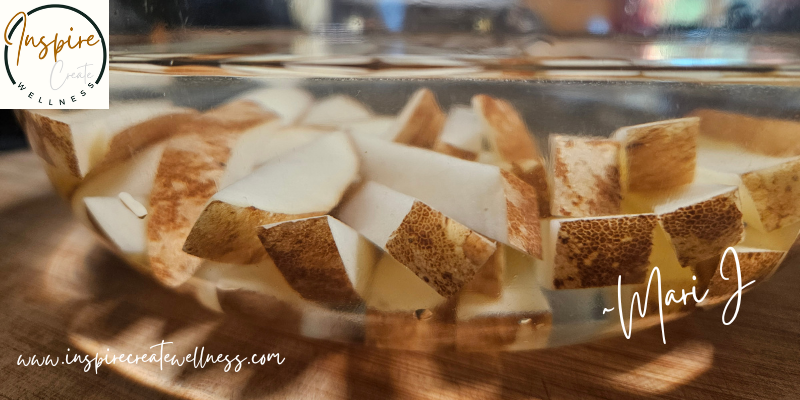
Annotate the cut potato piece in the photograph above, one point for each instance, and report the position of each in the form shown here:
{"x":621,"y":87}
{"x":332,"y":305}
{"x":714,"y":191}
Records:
{"x":336,"y":110}
{"x":134,"y":176}
{"x":203,"y":285}
{"x":491,"y":158}
{"x":595,"y":252}
{"x":453,"y":151}
{"x":403,"y":311}
{"x":289,"y":103}
{"x":136,"y":172}
{"x":486,"y":199}
{"x":702,"y":220}
{"x":120,"y":226}
{"x":396,"y":288}
{"x":769,"y":186}
{"x":755,"y":264}
{"x":322,"y":259}
{"x":489,"y":279}
{"x":191,"y":167}
{"x":257,"y":291}
{"x":673,"y":276}
{"x":379,"y":126}
{"x":534,"y":173}
{"x":77,"y":140}
{"x":505,"y":129}
{"x":461,"y":134}
{"x":519,"y":318}
{"x":143,"y":135}
{"x":660,"y":155}
{"x":781,"y":239}
{"x":186,"y":178}
{"x":441,"y":251}
{"x":767,"y":136}
{"x":420,"y":122}
{"x":775,"y":192}
{"x":585,"y":177}
{"x":62,"y":180}
{"x":263,"y":143}
{"x":263,"y":277}
{"x":516,"y":148}
{"x":588,"y":304}
{"x":232,"y":116}
{"x":73,"y":143}
{"x":308,"y":181}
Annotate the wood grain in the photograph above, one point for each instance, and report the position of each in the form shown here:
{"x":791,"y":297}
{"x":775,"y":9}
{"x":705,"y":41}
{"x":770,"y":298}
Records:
{"x":59,"y":289}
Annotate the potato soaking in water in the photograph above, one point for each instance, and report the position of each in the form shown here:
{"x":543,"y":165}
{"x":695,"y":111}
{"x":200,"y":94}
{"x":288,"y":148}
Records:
{"x":493,"y":181}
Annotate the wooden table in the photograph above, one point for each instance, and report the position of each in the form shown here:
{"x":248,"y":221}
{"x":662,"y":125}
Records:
{"x":60,"y":290}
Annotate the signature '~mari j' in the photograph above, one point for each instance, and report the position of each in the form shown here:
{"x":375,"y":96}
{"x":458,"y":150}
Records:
{"x":670,"y":297}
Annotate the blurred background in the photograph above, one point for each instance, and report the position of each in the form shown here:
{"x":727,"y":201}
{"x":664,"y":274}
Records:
{"x":598,"y":17}
{"x":11,"y":136}
{"x":688,"y":33}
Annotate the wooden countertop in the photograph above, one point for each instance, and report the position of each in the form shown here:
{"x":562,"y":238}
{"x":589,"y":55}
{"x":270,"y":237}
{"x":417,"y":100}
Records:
{"x":59,"y":289}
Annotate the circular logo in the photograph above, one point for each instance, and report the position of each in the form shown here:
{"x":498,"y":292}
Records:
{"x":55,"y":56}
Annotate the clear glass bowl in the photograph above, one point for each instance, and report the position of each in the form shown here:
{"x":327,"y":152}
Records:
{"x":407,"y":176}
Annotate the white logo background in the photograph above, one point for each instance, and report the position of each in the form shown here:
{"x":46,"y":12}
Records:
{"x":68,"y":80}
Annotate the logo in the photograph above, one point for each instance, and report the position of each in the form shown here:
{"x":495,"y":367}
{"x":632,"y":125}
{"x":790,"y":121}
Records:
{"x":55,"y":56}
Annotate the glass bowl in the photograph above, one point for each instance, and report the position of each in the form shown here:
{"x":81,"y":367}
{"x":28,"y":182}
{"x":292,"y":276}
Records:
{"x":369,"y":175}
